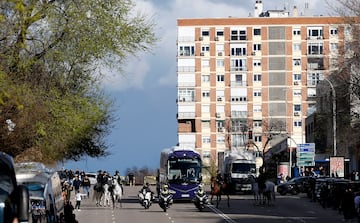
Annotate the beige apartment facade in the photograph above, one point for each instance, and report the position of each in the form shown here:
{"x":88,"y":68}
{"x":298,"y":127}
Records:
{"x":250,"y":83}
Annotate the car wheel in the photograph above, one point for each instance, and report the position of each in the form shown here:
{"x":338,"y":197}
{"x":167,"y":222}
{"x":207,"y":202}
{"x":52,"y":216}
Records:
{"x":294,"y":192}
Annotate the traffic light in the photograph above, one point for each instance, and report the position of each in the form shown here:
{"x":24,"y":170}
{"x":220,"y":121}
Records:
{"x":250,"y":134}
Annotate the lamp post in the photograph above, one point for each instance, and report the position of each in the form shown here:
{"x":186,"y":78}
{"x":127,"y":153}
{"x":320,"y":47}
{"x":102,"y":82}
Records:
{"x":333,"y":113}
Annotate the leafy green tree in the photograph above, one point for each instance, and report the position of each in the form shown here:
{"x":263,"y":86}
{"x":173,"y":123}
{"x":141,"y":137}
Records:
{"x":52,"y":54}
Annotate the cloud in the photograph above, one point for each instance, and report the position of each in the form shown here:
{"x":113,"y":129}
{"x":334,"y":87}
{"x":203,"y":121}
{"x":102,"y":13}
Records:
{"x":159,"y":67}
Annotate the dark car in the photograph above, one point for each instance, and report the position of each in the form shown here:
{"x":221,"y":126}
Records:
{"x":14,"y":199}
{"x":294,"y":186}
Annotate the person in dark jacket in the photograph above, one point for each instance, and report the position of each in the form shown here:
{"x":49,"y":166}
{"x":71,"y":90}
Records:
{"x":348,"y":204}
{"x":261,"y":180}
{"x":76,"y":184}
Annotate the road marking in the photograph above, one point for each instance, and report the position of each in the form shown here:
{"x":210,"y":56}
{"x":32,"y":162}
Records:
{"x":221,"y":214}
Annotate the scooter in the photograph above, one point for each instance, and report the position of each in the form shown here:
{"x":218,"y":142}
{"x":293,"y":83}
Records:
{"x":200,"y":201}
{"x":145,"y":198}
{"x":165,"y":201}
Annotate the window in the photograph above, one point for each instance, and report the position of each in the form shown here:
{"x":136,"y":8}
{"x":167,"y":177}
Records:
{"x":333,"y":31}
{"x":205,"y":109}
{"x":220,"y":49}
{"x":257,"y":123}
{"x":205,"y":63}
{"x":238,"y":98}
{"x":205,"y":94}
{"x":238,"y":78}
{"x":257,"y":77}
{"x":315,"y":32}
{"x":186,"y":94}
{"x":238,"y":34}
{"x":220,"y":139}
{"x":257,"y":138}
{"x":205,"y":78}
{"x":296,"y":62}
{"x":334,"y":47}
{"x":257,"y":47}
{"x":257,"y":108}
{"x":219,"y":32}
{"x":220,"y":77}
{"x":238,"y":64}
{"x":257,"y":93}
{"x":315,"y":48}
{"x":296,"y":47}
{"x":297,"y":77}
{"x":297,"y":123}
{"x":205,"y":48}
{"x":238,"y":51}
{"x":314,"y":77}
{"x":206,"y":155}
{"x":297,"y":108}
{"x":220,"y":63}
{"x":186,"y":50}
{"x":297,"y":92}
{"x":205,"y":125}
{"x":219,"y":97}
{"x":206,"y":139}
{"x":257,"y":63}
{"x":257,"y":32}
{"x":296,"y":32}
{"x":205,"y":33}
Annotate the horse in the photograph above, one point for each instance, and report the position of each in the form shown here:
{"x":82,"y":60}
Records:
{"x":265,"y":195}
{"x":98,"y":193}
{"x":255,"y":190}
{"x":107,"y":195}
{"x":117,"y":193}
{"x":218,"y":189}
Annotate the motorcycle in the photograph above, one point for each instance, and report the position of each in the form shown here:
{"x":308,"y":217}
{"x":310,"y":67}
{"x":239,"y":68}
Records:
{"x":145,"y":198}
{"x":165,"y":201}
{"x":200,"y":200}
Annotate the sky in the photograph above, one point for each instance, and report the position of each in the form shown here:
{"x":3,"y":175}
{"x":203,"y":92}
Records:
{"x":145,"y":94}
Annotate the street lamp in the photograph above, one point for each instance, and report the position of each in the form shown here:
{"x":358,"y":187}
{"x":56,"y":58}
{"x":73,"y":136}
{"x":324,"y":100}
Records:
{"x":333,"y":113}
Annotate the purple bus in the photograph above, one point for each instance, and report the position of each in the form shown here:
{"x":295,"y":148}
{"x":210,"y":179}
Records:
{"x":180,"y":168}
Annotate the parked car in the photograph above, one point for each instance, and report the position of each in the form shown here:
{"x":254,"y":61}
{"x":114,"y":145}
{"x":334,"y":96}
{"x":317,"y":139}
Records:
{"x":294,"y":186}
{"x":45,"y":192}
{"x":14,"y":199}
{"x":92,"y":176}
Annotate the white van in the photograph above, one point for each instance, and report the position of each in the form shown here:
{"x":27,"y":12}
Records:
{"x":46,"y":202}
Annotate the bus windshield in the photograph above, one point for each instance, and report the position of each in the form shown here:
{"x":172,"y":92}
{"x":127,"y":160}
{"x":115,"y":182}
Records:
{"x":184,"y":170}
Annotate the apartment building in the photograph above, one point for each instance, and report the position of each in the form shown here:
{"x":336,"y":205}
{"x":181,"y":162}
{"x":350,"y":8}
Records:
{"x":250,"y":83}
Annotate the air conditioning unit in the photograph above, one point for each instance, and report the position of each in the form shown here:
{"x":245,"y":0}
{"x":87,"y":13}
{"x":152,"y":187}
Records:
{"x":216,"y":38}
{"x":296,"y":82}
{"x":217,"y":114}
{"x":201,"y":38}
{"x":219,"y":99}
{"x":221,"y":129}
{"x":296,"y":113}
{"x":220,"y":53}
{"x":202,"y":54}
{"x":253,"y":53}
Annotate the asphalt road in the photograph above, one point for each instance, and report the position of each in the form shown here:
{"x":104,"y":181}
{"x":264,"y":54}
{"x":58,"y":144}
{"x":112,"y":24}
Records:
{"x":242,"y":209}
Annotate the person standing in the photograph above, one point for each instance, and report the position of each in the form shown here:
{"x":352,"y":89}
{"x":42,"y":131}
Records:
{"x":78,"y":200}
{"x":76,"y":184}
{"x":86,"y":185}
{"x":131,"y":179}
{"x":348,"y":204}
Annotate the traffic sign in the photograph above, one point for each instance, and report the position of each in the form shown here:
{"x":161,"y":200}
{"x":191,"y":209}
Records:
{"x":305,"y":154}
{"x":306,"y":148}
{"x":306,"y":163}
